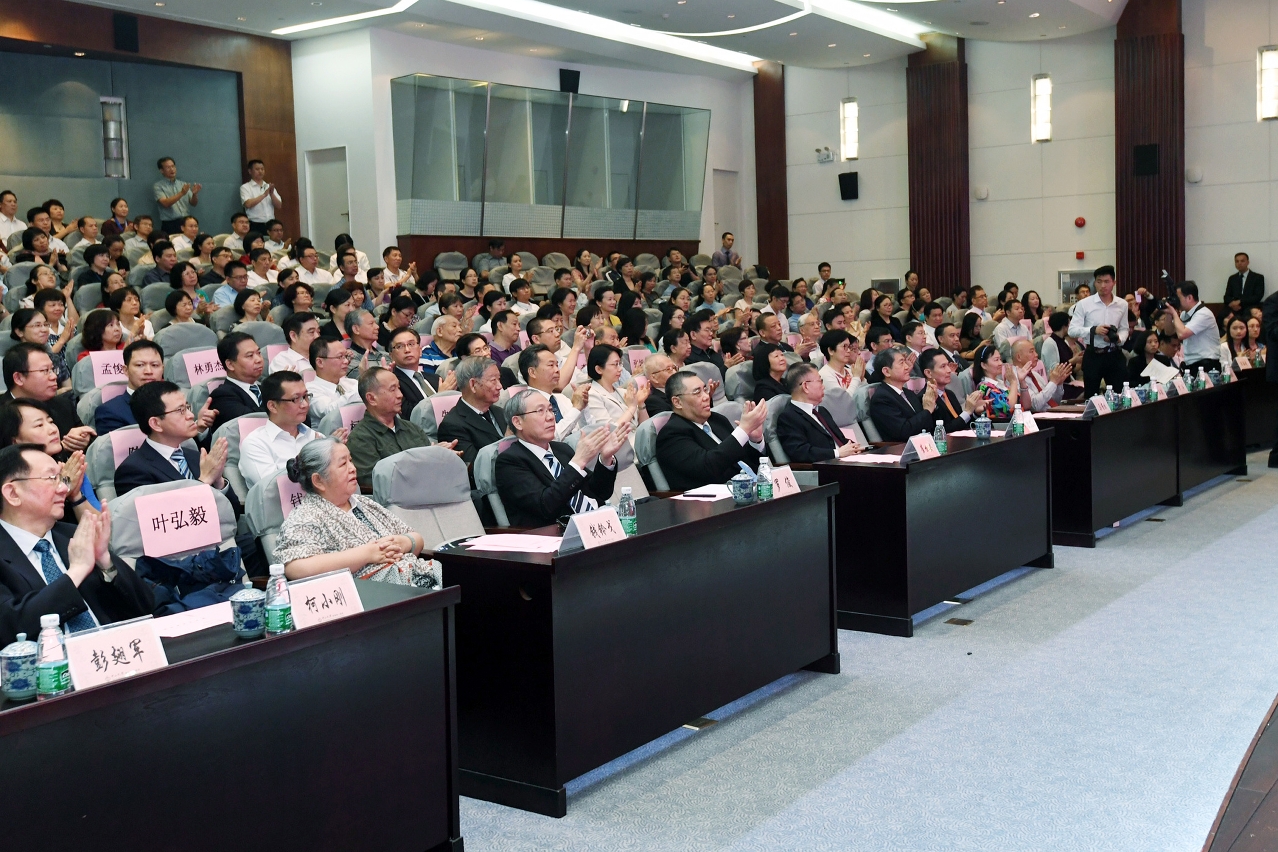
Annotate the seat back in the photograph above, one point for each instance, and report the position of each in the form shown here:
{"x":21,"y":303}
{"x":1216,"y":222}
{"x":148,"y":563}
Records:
{"x":186,"y":335}
{"x":73,"y":349}
{"x":647,"y":261}
{"x":87,"y":407}
{"x":234,"y":431}
{"x":340,"y":416}
{"x":264,"y":333}
{"x":154,"y":294}
{"x":699,"y":260}
{"x":223,"y":320}
{"x":126,"y":532}
{"x":710,"y":373}
{"x":137,"y":273}
{"x":450,"y":264}
{"x":485,"y":469}
{"x":160,"y":319}
{"x":529,"y":259}
{"x":175,"y":364}
{"x":86,"y":298}
{"x":13,"y":298}
{"x":429,"y":489}
{"x":279,"y":313}
{"x":198,"y":393}
{"x":429,"y":413}
{"x":775,"y":405}
{"x":842,"y":406}
{"x":265,"y":513}
{"x":18,"y":273}
{"x":556,"y":260}
{"x":963,"y":384}
{"x":83,"y":378}
{"x":731,"y":410}
{"x":646,"y":448}
{"x":739,"y":384}
{"x":862,"y":397}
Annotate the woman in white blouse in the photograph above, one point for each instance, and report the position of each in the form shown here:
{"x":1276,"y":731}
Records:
{"x":607,"y":404}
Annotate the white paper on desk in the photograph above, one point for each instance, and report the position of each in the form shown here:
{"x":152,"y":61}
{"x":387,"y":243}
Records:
{"x":1160,"y":372}
{"x":515,"y":543}
{"x":182,"y":623}
{"x":1059,"y":415}
{"x":970,"y":433}
{"x":709,"y":492}
{"x":874,"y":458}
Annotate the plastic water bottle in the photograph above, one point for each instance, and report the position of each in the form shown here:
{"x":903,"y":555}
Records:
{"x":1127,"y":395}
{"x":764,"y":479}
{"x":939,"y":438}
{"x":1202,"y":378}
{"x":279,"y":607}
{"x":628,"y":512}
{"x":1018,"y":422}
{"x":1153,"y":391}
{"x":52,"y":675}
{"x":1110,"y":398}
{"x":1189,"y":379}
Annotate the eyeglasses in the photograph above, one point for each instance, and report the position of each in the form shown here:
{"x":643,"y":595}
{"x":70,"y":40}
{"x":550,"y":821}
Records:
{"x":181,"y":409}
{"x":345,"y":355}
{"x":296,"y":399}
{"x":49,"y":370}
{"x":701,"y":391}
{"x":400,"y":347}
{"x":537,"y":412}
{"x":56,"y":477}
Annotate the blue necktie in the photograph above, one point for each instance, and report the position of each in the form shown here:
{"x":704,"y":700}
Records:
{"x":52,"y":573}
{"x":705,"y":427}
{"x":554,"y":406}
{"x":257,"y":394}
{"x":179,"y":459}
{"x":555,"y":467}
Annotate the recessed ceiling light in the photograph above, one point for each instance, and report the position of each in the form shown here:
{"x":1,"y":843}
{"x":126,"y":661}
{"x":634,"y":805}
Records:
{"x":1033,"y":14}
{"x":241,"y":19}
{"x":159,"y":4}
{"x":479,"y":38}
{"x":79,"y":53}
{"x":793,"y":33}
{"x":316,"y":3}
{"x":927,"y":22}
{"x":732,"y":16}
{"x":1061,"y":27}
{"x":866,"y":55}
{"x":831,"y":45}
{"x":419,"y":26}
{"x":683,"y":2}
{"x":891,"y":10}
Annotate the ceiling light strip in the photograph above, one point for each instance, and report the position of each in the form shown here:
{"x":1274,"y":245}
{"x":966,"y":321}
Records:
{"x":867,"y":18}
{"x":741,"y":31}
{"x":401,"y":6}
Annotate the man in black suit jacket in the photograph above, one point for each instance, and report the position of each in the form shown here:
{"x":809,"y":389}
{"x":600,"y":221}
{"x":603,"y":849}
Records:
{"x":956,"y":414}
{"x":89,"y":587}
{"x":692,"y":457}
{"x":29,"y":374}
{"x":475,"y":422}
{"x":900,"y":414}
{"x":239,"y":394}
{"x":406,"y":357}
{"x":537,"y":491}
{"x":658,"y":368}
{"x":1245,"y":288}
{"x":806,"y":431}
{"x":701,"y":327}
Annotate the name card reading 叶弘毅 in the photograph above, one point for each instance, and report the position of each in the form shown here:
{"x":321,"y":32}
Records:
{"x":177,"y":521}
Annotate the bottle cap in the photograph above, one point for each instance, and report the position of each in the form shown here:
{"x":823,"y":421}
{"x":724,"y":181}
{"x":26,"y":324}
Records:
{"x":277,"y":570}
{"x":50,"y":620}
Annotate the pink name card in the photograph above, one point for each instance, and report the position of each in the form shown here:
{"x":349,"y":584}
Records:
{"x":249,"y":425}
{"x":95,"y":657}
{"x":352,"y":414}
{"x":111,"y":391}
{"x":202,"y":365}
{"x":1179,"y":384}
{"x":290,"y":495}
{"x":324,"y":598}
{"x":1100,"y":404}
{"x":601,"y":526}
{"x":1243,"y":363}
{"x":637,"y":357}
{"x":794,"y":340}
{"x":443,"y":405}
{"x":1207,"y":382}
{"x":783,"y":484}
{"x":108,"y":366}
{"x":274,"y":349}
{"x":124,"y":442}
{"x":523,"y":340}
{"x":175,"y":521}
{"x":924,"y":447}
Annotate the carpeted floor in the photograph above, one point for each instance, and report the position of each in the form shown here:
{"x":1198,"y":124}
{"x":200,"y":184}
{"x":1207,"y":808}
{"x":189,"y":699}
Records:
{"x":1102,"y":705}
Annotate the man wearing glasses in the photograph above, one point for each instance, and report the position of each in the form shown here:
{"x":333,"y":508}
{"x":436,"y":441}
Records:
{"x":331,"y":388}
{"x":406,"y":357}
{"x":698,"y":446}
{"x":167,"y":421}
{"x":143,"y":363}
{"x":288,"y":404}
{"x":51,"y":567}
{"x":807,"y":431}
{"x":30,"y":374}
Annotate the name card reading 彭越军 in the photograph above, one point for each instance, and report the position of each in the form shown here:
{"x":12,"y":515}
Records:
{"x":180,"y":520}
{"x":327,"y":597}
{"x":108,"y":366}
{"x":783,"y":484}
{"x":95,"y":657}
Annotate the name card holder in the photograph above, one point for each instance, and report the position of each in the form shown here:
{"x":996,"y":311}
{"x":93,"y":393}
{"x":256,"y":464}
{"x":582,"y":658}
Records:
{"x":1243,"y":364}
{"x":591,"y":529}
{"x":1028,"y":422}
{"x":1177,"y":387}
{"x":783,"y":484}
{"x":115,"y":652}
{"x":920,"y":448}
{"x":328,"y":597}
{"x":108,"y":366}
{"x":1096,"y":406}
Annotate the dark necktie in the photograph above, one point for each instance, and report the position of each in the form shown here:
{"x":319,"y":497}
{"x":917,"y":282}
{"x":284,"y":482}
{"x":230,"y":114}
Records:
{"x":824,"y":419}
{"x":554,"y":406}
{"x":256,"y":394}
{"x":51,"y":572}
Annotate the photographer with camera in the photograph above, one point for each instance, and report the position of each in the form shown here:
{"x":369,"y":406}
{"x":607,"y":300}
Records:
{"x":1099,"y":323}
{"x":1195,"y":325}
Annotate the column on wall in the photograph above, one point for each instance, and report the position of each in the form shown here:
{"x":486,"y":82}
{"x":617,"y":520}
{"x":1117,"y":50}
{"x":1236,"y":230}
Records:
{"x":769,"y":161}
{"x":936,"y":110}
{"x":1149,"y":139}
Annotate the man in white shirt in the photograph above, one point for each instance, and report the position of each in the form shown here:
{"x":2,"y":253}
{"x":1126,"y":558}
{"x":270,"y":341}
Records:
{"x":933,"y":316}
{"x":980,"y":300}
{"x":331,"y":388}
{"x":88,"y":227}
{"x":269,"y":447}
{"x":275,"y":240}
{"x":1099,"y":322}
{"x":237,"y":278}
{"x":258,"y":197}
{"x":549,"y":333}
{"x":349,"y":271}
{"x":10,"y":224}
{"x":260,"y":273}
{"x":300,"y":330}
{"x":1196,"y":327}
{"x":335,"y":262}
{"x":239,"y":230}
{"x":521,"y":292}
{"x":41,"y":219}
{"x":539,"y":369}
{"x":393,"y":274}
{"x":309,"y":271}
{"x":844,"y":367}
{"x":187,"y":232}
{"x":1041,"y":388}
{"x":1010,"y":328}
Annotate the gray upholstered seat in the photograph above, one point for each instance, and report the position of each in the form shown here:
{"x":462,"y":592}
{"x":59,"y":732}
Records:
{"x":730,"y":409}
{"x":426,"y":413}
{"x":264,"y":513}
{"x":429,"y":488}
{"x":485,"y":468}
{"x":88,"y":297}
{"x":223,"y":320}
{"x":185,"y":335}
{"x":862,"y":399}
{"x":335,"y":419}
{"x":646,"y":448}
{"x":739,"y":384}
{"x":87,"y":407}
{"x":230,"y":430}
{"x":264,"y":333}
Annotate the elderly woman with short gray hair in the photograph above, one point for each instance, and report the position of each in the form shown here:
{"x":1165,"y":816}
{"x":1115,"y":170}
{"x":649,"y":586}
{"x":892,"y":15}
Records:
{"x":335,"y":527}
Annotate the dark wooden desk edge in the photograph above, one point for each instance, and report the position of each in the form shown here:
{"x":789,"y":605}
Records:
{"x":1238,"y":774}
{"x":43,"y":712}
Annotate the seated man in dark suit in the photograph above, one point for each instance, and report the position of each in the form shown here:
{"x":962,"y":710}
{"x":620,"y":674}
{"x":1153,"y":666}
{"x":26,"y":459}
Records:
{"x":957,"y":415}
{"x":658,"y":368}
{"x":51,"y":567}
{"x":239,"y":394}
{"x":30,"y":374}
{"x":143,"y":363}
{"x":539,"y":479}
{"x":698,"y":446}
{"x":900,"y":414}
{"x":701,"y":328}
{"x":475,"y":422}
{"x":166,"y":419}
{"x":405,"y":346}
{"x":805,"y":430}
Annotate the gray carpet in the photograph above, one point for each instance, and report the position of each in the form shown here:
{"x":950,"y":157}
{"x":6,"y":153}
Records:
{"x":1102,"y":705}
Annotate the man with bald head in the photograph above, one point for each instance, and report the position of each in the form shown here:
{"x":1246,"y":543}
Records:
{"x":1043,"y":389}
{"x":658,"y":369}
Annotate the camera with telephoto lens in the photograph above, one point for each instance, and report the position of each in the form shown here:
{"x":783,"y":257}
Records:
{"x":1172,"y":300}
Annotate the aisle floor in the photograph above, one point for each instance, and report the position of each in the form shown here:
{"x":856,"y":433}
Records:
{"x":1101,"y":705}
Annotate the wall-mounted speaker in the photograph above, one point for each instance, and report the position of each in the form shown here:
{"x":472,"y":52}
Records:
{"x":1145,"y":160}
{"x":126,"y":32}
{"x":848,"y":190}
{"x":569,"y":81}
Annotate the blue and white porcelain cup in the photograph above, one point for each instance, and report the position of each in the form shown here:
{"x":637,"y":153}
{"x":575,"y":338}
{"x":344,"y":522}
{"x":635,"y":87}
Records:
{"x":18,"y":669}
{"x":248,"y":608}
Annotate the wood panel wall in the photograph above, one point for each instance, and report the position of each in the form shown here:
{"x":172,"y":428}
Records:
{"x":769,"y":168}
{"x":265,"y":67}
{"x":1149,"y":108}
{"x":936,"y":119}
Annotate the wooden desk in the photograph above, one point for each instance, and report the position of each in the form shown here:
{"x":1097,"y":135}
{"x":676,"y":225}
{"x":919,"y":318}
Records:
{"x":566,"y":662}
{"x":337,"y":737}
{"x":1260,"y":399}
{"x":906,"y":538}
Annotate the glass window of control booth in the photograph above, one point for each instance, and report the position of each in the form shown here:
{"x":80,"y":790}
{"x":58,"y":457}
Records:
{"x":527,"y":140}
{"x":603,"y":167}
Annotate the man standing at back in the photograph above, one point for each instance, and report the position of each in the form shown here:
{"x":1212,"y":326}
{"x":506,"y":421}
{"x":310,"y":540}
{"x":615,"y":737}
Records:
{"x":1099,"y":323}
{"x":174,"y":198}
{"x":258,"y":197}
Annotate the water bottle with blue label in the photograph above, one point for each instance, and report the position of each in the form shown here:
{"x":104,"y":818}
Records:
{"x":628,"y":511}
{"x":764,"y":480}
{"x":939,"y":438}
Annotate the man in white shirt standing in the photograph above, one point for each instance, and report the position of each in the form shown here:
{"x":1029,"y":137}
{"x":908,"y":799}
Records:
{"x":331,"y":388}
{"x":300,"y":330}
{"x":1196,"y":327}
{"x":10,"y":224}
{"x":539,"y":369}
{"x":267,"y":448}
{"x":260,"y":199}
{"x":309,"y":271}
{"x":1099,"y":323}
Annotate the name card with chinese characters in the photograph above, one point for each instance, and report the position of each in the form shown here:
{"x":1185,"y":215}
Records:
{"x":783,"y":484}
{"x":1207,"y":382}
{"x":108,"y":366}
{"x":180,"y":520}
{"x":324,"y":598}
{"x":352,"y":414}
{"x":273,"y":349}
{"x":1028,"y":422}
{"x":443,"y":404}
{"x":95,"y":657}
{"x":203,"y":364}
{"x":1244,"y":363}
{"x":124,"y":442}
{"x":290,"y":495}
{"x":637,"y":357}
{"x":591,"y":529}
{"x":919,"y":448}
{"x":1096,"y":406}
{"x":1179,"y":384}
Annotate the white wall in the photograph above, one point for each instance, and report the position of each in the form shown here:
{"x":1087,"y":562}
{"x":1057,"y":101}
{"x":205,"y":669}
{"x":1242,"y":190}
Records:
{"x":869,"y":237}
{"x":1235,"y":207}
{"x":1025,"y":231}
{"x":356,"y":68}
